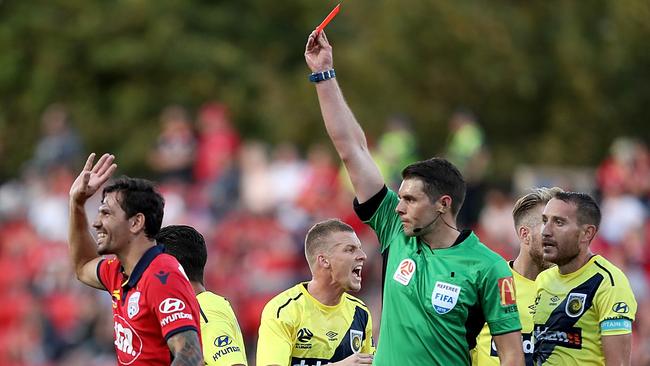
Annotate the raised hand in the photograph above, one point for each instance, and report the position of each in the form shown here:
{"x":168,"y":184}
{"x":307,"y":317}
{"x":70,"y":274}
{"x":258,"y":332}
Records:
{"x":318,"y":52}
{"x":92,"y":177}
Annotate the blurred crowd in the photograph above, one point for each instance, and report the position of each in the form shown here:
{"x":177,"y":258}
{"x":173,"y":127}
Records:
{"x":254,"y":202}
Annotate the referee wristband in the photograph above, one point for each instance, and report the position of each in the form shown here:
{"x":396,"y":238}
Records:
{"x":322,"y":76}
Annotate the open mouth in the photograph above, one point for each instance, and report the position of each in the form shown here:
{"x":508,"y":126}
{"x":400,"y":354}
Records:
{"x":101,"y":237}
{"x":547,"y":244}
{"x":356,"y":271}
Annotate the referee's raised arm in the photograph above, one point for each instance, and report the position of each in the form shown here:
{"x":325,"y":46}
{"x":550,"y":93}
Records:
{"x":342,"y":127}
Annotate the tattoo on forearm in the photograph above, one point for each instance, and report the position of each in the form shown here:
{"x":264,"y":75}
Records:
{"x":186,"y":348}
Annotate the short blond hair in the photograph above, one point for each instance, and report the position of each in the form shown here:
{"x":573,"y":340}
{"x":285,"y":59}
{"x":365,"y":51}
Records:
{"x":316,"y":239}
{"x":524,"y":205}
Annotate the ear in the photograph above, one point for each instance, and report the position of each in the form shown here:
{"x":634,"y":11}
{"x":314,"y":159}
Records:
{"x":590,"y":233}
{"x":137,"y":223}
{"x":523,"y":232}
{"x":322,"y":261}
{"x":445,"y":203}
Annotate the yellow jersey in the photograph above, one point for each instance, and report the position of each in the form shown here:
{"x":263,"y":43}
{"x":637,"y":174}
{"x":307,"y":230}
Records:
{"x":485,"y":352}
{"x":221,"y":337}
{"x":296,"y":329}
{"x":575,"y":310}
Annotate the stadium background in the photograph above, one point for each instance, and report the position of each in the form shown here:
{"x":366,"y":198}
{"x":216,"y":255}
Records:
{"x":210,"y":99}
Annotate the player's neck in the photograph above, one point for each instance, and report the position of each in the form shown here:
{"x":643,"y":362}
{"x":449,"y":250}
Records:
{"x":525,"y":266}
{"x":324,"y":292}
{"x":133,"y":252}
{"x":576,"y":263}
{"x":197,"y":287}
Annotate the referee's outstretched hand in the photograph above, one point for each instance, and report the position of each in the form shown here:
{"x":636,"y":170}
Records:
{"x":92,"y":177}
{"x":355,"y":359}
{"x":318,"y":52}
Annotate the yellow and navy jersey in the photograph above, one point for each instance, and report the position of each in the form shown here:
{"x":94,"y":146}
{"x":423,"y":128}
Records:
{"x":222,"y":340}
{"x":485,"y":352}
{"x":575,"y":310}
{"x":296,"y":329}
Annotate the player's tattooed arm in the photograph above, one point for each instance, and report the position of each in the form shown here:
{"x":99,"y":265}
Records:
{"x":186,"y":348}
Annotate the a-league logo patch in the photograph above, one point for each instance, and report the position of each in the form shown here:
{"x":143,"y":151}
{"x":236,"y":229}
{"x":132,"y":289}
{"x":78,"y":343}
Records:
{"x":575,"y":304}
{"x":444,"y":297}
{"x":405,"y":271}
{"x":356,"y":338}
{"x":133,"y":307}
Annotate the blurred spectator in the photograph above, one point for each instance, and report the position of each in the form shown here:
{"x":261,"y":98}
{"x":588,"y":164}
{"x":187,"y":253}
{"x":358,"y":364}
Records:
{"x":396,"y":148}
{"x":257,"y":194}
{"x":495,"y":223}
{"x":218,"y":142}
{"x":48,"y":204}
{"x":60,"y":143}
{"x":468,"y":151}
{"x":173,"y":156}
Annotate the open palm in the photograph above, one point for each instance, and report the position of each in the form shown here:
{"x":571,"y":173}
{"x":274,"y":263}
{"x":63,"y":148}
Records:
{"x":92,"y":177}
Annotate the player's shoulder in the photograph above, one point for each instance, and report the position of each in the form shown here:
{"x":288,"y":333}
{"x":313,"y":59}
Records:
{"x":548,"y":275}
{"x":354,"y":301}
{"x":480,"y":253}
{"x":288,"y":300}
{"x":210,"y":300}
{"x":165,"y":261}
{"x":614,"y":276}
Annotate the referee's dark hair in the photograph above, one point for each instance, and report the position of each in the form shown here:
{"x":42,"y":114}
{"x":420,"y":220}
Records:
{"x":440,"y":177}
{"x":587,"y":210}
{"x":188,"y":246}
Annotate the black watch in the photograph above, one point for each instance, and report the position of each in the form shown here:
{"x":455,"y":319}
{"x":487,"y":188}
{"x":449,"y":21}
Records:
{"x":321,"y":76}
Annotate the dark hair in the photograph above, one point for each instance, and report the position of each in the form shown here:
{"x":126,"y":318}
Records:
{"x":187,"y":246}
{"x":538,"y":196}
{"x":314,"y":240}
{"x":139,"y":196}
{"x":440,"y":177}
{"x":587,"y":210}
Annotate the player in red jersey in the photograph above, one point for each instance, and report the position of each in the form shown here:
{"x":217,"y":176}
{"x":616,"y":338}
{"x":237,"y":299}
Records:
{"x":155,"y":313}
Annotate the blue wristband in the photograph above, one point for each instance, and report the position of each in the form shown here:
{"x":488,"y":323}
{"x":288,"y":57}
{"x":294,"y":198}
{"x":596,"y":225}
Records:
{"x":322,"y":76}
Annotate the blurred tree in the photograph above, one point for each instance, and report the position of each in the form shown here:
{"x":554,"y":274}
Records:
{"x":552,"y":82}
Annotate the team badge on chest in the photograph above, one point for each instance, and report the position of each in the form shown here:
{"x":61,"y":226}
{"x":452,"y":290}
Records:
{"x":575,"y":304}
{"x":405,"y":271}
{"x":133,"y":307}
{"x":444,"y":297}
{"x":356,"y":338}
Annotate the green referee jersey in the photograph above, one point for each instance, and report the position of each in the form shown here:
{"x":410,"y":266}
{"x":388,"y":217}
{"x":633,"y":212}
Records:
{"x":436,"y":300}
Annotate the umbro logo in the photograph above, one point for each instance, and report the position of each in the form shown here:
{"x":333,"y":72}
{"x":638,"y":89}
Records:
{"x":555,"y":299}
{"x":331,"y":335}
{"x":304,"y":335}
{"x":162,"y":276}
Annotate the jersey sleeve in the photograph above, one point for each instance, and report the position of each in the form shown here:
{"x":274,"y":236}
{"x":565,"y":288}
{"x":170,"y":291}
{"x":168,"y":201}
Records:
{"x":172,"y":302}
{"x":385,"y":221}
{"x":616,"y":307}
{"x":275,"y":341}
{"x":369,"y":344}
{"x":498,"y":299}
{"x":222,"y":340}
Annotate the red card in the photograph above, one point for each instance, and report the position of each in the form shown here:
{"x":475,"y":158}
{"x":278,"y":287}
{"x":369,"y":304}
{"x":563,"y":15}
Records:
{"x":329,"y":18}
